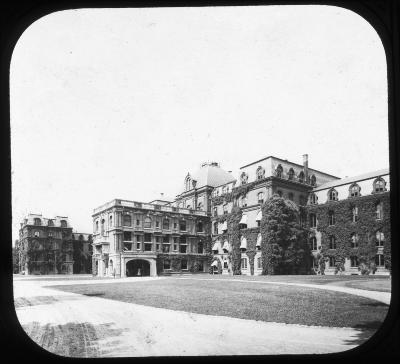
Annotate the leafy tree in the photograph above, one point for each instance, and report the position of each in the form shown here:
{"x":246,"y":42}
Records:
{"x":285,"y":248}
{"x":15,"y":257}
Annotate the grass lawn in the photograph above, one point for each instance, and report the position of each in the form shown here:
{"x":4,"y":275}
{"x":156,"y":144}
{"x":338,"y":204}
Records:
{"x":271,"y":303}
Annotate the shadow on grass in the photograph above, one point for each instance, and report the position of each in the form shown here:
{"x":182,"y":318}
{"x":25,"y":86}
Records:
{"x":94,"y":294}
{"x":75,"y":339}
{"x":366,"y":331}
{"x":375,"y":304}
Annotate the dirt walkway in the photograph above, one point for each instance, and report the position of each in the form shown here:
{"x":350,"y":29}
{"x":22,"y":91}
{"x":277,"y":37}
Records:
{"x":75,"y":325}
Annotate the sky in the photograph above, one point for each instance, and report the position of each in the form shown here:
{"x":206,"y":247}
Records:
{"x":123,"y":103}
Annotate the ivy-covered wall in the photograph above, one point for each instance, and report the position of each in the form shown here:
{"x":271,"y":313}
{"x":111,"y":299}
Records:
{"x":366,"y":228}
{"x":176,"y":261}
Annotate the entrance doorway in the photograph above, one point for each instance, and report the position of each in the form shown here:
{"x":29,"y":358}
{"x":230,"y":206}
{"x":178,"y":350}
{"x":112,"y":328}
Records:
{"x":137,"y":268}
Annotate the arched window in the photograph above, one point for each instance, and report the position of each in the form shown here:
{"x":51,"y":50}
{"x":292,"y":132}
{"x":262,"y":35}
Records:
{"x":200,"y":227}
{"x":380,"y":238}
{"x":354,"y":240}
{"x":313,"y":220}
{"x":313,"y":243}
{"x":279,"y":171}
{"x":332,"y":242}
{"x":354,"y":190}
{"x":110,"y":220}
{"x":147,"y":222}
{"x":97,"y":226}
{"x":313,"y":198}
{"x":200,"y":206}
{"x":379,"y":185}
{"x":260,"y":197}
{"x":127,"y":220}
{"x":301,"y":177}
{"x":331,"y":218}
{"x":354,"y":212}
{"x":225,"y":208}
{"x":379,"y":211}
{"x":260,"y":172}
{"x":50,"y":223}
{"x":332,"y":195}
{"x":291,"y":174}
{"x":313,"y":180}
{"x":187,"y":183}
{"x":63,"y":223}
{"x":37,"y":221}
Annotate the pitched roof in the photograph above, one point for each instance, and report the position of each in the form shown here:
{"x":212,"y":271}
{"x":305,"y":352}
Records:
{"x":348,"y":180}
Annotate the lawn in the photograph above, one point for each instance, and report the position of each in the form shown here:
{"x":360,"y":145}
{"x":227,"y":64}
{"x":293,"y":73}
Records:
{"x":270,"y":303}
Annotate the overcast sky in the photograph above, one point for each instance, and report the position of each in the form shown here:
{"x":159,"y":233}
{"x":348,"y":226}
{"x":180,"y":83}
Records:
{"x":123,"y":103}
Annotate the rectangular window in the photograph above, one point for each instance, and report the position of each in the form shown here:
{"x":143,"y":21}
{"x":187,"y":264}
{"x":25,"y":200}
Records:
{"x":166,"y":224}
{"x":182,"y":248}
{"x":165,"y":239}
{"x":200,"y":247}
{"x":157,"y":224}
{"x":138,"y":238}
{"x":182,"y":225}
{"x":184,"y":264}
{"x":158,"y":247}
{"x":127,"y":246}
{"x":147,"y":237}
{"x":259,"y":263}
{"x":331,"y":262}
{"x":157,"y":239}
{"x":138,"y":246}
{"x":127,"y":236}
{"x":137,"y":222}
{"x":148,"y":247}
{"x":244,"y":263}
{"x":166,"y":248}
{"x":225,"y":265}
{"x":166,"y":264}
{"x":201,"y":266}
{"x":175,"y":225}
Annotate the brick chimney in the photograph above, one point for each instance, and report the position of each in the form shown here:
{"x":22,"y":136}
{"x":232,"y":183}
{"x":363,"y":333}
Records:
{"x":305,"y":167}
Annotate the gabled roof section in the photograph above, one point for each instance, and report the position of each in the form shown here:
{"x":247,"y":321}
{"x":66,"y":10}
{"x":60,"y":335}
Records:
{"x":348,"y":180}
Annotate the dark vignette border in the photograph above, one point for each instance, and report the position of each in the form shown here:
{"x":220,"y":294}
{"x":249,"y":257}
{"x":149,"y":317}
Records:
{"x":18,"y":15}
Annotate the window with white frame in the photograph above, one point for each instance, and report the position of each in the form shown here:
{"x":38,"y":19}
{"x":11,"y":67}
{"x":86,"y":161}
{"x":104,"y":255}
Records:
{"x":127,"y":236}
{"x":379,"y":185}
{"x":380,"y":238}
{"x":354,"y":240}
{"x":244,"y":263}
{"x":166,"y":264}
{"x":354,"y":190}
{"x":332,"y":195}
{"x":147,"y":222}
{"x":259,"y":266}
{"x":102,"y":226}
{"x":184,"y":264}
{"x":166,"y":224}
{"x":313,"y":243}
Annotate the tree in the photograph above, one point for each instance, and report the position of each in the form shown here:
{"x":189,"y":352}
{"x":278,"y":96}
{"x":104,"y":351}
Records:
{"x":285,"y":248}
{"x":15,"y":257}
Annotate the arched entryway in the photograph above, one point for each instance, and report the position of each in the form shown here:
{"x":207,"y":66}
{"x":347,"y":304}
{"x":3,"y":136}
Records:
{"x":137,"y":268}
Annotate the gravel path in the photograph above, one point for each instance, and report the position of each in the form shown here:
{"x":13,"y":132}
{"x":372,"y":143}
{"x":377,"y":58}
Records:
{"x":75,"y":325}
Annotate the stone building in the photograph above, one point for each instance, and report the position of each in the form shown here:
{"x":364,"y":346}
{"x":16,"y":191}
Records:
{"x":256,"y":183}
{"x":191,"y":233}
{"x":350,"y":223}
{"x":135,"y":238}
{"x":45,"y":245}
{"x":48,"y":246}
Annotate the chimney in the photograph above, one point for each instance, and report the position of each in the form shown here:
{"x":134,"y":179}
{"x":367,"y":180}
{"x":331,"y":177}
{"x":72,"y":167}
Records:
{"x":305,"y":166}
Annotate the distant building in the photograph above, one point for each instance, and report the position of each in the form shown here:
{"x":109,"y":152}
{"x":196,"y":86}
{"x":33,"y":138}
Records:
{"x":82,"y":253}
{"x":48,"y":246}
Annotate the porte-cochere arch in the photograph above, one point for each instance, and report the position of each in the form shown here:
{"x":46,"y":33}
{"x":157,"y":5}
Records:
{"x":140,"y":267}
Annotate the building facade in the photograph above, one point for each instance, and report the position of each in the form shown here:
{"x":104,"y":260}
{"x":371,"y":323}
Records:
{"x":48,"y":246}
{"x":194,"y":233}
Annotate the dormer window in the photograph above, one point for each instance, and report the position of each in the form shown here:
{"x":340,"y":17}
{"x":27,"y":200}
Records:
{"x":63,"y":223}
{"x":50,"y":223}
{"x":37,"y":221}
{"x":260,"y":197}
{"x":313,"y":180}
{"x":313,"y":199}
{"x":301,"y":177}
{"x":332,"y":195}
{"x":379,"y":185}
{"x":354,"y":190}
{"x":127,"y":220}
